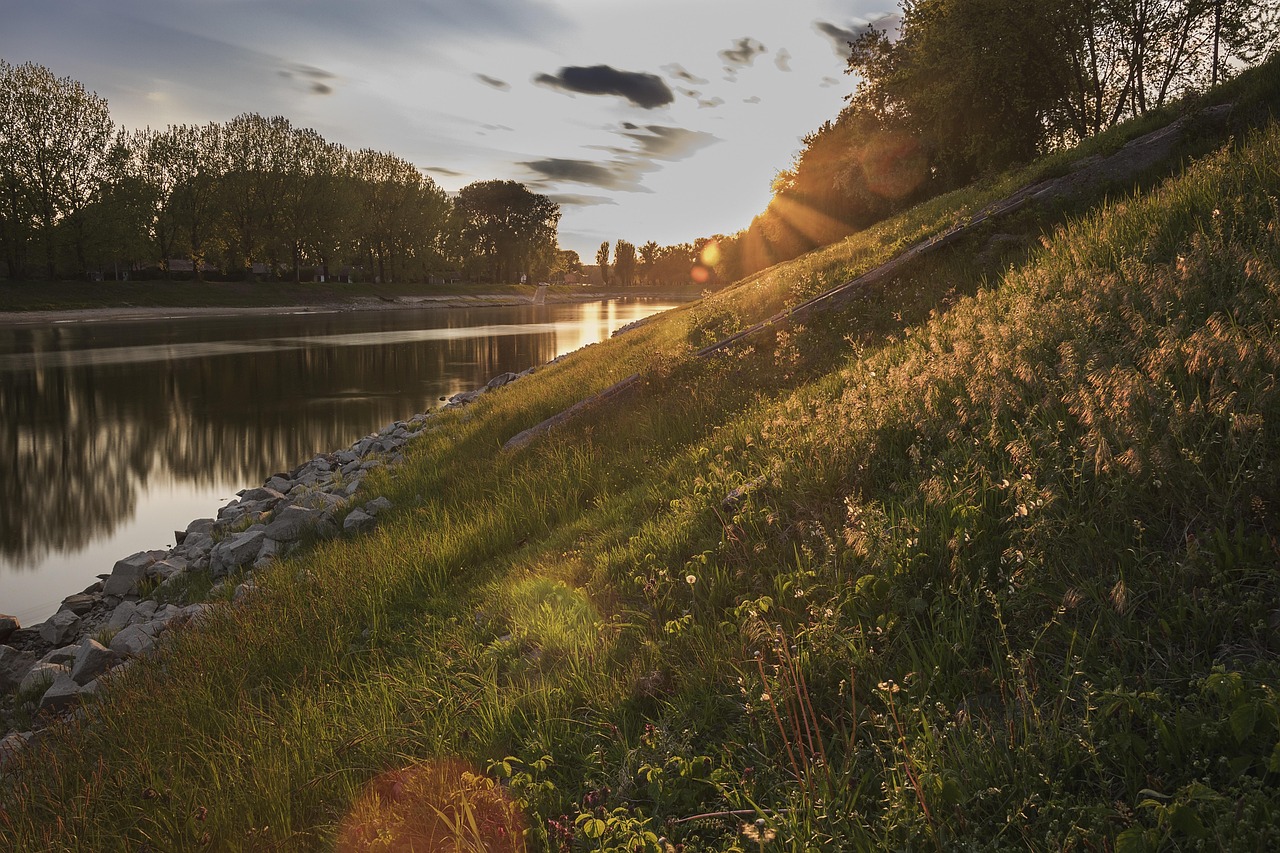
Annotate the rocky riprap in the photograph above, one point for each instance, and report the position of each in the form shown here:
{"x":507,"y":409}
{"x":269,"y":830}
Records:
{"x":47,"y":669}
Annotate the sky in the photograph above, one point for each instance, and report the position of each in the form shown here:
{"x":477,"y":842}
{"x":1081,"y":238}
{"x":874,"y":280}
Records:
{"x":660,"y":120}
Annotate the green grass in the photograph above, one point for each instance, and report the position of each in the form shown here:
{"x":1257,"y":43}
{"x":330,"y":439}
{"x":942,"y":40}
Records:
{"x":1003,"y":578}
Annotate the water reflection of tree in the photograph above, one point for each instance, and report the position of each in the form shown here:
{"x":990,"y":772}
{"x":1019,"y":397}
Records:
{"x":78,"y":444}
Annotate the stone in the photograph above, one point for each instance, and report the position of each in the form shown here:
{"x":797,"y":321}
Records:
{"x":62,"y":694}
{"x":14,"y":745}
{"x":42,"y":673}
{"x":91,"y":660}
{"x":237,"y":551}
{"x":8,"y":624}
{"x":244,"y":591}
{"x":63,"y":655}
{"x":80,"y":603}
{"x":263,"y":494}
{"x":60,"y":628}
{"x":291,"y":523}
{"x":200,"y":525}
{"x":167,"y":568}
{"x":13,"y":666}
{"x":279,"y":483}
{"x":358,"y":521}
{"x":500,"y":380}
{"x":133,"y":641}
{"x":122,"y":616}
{"x":377,"y":505}
{"x":128,"y":572}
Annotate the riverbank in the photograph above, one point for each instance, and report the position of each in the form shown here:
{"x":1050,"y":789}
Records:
{"x":74,"y":302}
{"x":982,"y":556}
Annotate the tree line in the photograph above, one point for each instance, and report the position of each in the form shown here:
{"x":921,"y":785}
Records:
{"x":83,"y":197}
{"x":658,"y":266}
{"x":971,"y":87}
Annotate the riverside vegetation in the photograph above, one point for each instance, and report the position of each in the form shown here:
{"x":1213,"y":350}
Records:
{"x":985,"y":560}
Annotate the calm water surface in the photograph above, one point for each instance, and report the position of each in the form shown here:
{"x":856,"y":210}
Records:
{"x":113,"y":435}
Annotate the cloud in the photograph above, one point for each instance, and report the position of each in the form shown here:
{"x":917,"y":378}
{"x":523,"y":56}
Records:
{"x":441,"y":170}
{"x":828,"y":82}
{"x":710,"y":103}
{"x":494,"y":82}
{"x":644,"y":90}
{"x":840,"y":37}
{"x":668,"y":143}
{"x":743,"y":53}
{"x":754,"y":99}
{"x":313,"y":80}
{"x":783,"y":60}
{"x":677,"y":71}
{"x":628,"y":166}
{"x":617,"y":175}
{"x":572,"y":200}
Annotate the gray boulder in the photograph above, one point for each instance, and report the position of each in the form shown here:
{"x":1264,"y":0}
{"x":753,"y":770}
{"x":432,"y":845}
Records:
{"x":13,"y":666}
{"x":14,"y":745}
{"x":80,"y":603}
{"x":42,"y":673}
{"x":134,"y":640}
{"x":500,"y":380}
{"x":8,"y":624}
{"x":128,"y":572}
{"x":60,"y":628}
{"x":291,"y":523}
{"x":358,"y":521}
{"x":64,"y":655}
{"x":62,"y":694}
{"x":377,"y":505}
{"x":91,"y":660}
{"x":239,"y":550}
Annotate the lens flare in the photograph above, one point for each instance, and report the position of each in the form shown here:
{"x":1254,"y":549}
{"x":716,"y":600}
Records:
{"x":710,"y":256}
{"x":700,"y":274}
{"x":443,"y":804}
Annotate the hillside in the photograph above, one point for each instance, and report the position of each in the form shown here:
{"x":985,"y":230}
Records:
{"x":983,"y":558}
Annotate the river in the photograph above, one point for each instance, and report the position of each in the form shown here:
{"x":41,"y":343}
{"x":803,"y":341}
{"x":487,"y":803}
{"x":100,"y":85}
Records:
{"x":114,"y":434}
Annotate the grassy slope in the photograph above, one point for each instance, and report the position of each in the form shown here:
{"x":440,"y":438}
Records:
{"x":1004,"y":577}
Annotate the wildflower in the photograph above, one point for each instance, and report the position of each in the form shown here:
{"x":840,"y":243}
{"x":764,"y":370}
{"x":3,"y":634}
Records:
{"x":758,"y":832}
{"x":690,"y":579}
{"x":765,"y":697}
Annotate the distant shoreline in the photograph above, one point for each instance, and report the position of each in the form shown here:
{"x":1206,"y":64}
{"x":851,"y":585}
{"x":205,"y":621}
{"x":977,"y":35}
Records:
{"x":124,"y":313}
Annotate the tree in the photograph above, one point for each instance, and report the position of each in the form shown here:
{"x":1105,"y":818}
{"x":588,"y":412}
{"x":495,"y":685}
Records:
{"x":648,"y":257}
{"x":602,"y":261}
{"x":507,"y":229}
{"x":624,"y":262}
{"x":56,"y":139}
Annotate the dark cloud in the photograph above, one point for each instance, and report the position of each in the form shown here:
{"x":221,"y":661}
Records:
{"x":441,"y":170}
{"x":828,"y":82}
{"x":312,"y":79}
{"x":840,"y":37}
{"x":754,"y":99}
{"x":628,"y":166}
{"x":644,"y":90}
{"x":494,"y":82}
{"x":743,"y":53}
{"x":678,"y":72}
{"x":783,"y":60}
{"x":617,"y":175}
{"x":710,"y":103}
{"x":572,"y":200}
{"x":668,"y":143}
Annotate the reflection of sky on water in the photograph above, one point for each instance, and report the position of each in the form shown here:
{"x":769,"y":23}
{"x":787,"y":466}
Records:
{"x":114,"y":435}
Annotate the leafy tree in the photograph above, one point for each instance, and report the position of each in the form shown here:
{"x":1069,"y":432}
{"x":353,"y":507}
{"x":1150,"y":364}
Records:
{"x":602,"y":261}
{"x":508,"y":228}
{"x":56,"y":139}
{"x":624,"y":262}
{"x":648,"y":257}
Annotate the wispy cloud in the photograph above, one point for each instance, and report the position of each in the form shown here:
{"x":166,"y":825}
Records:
{"x":494,"y":82}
